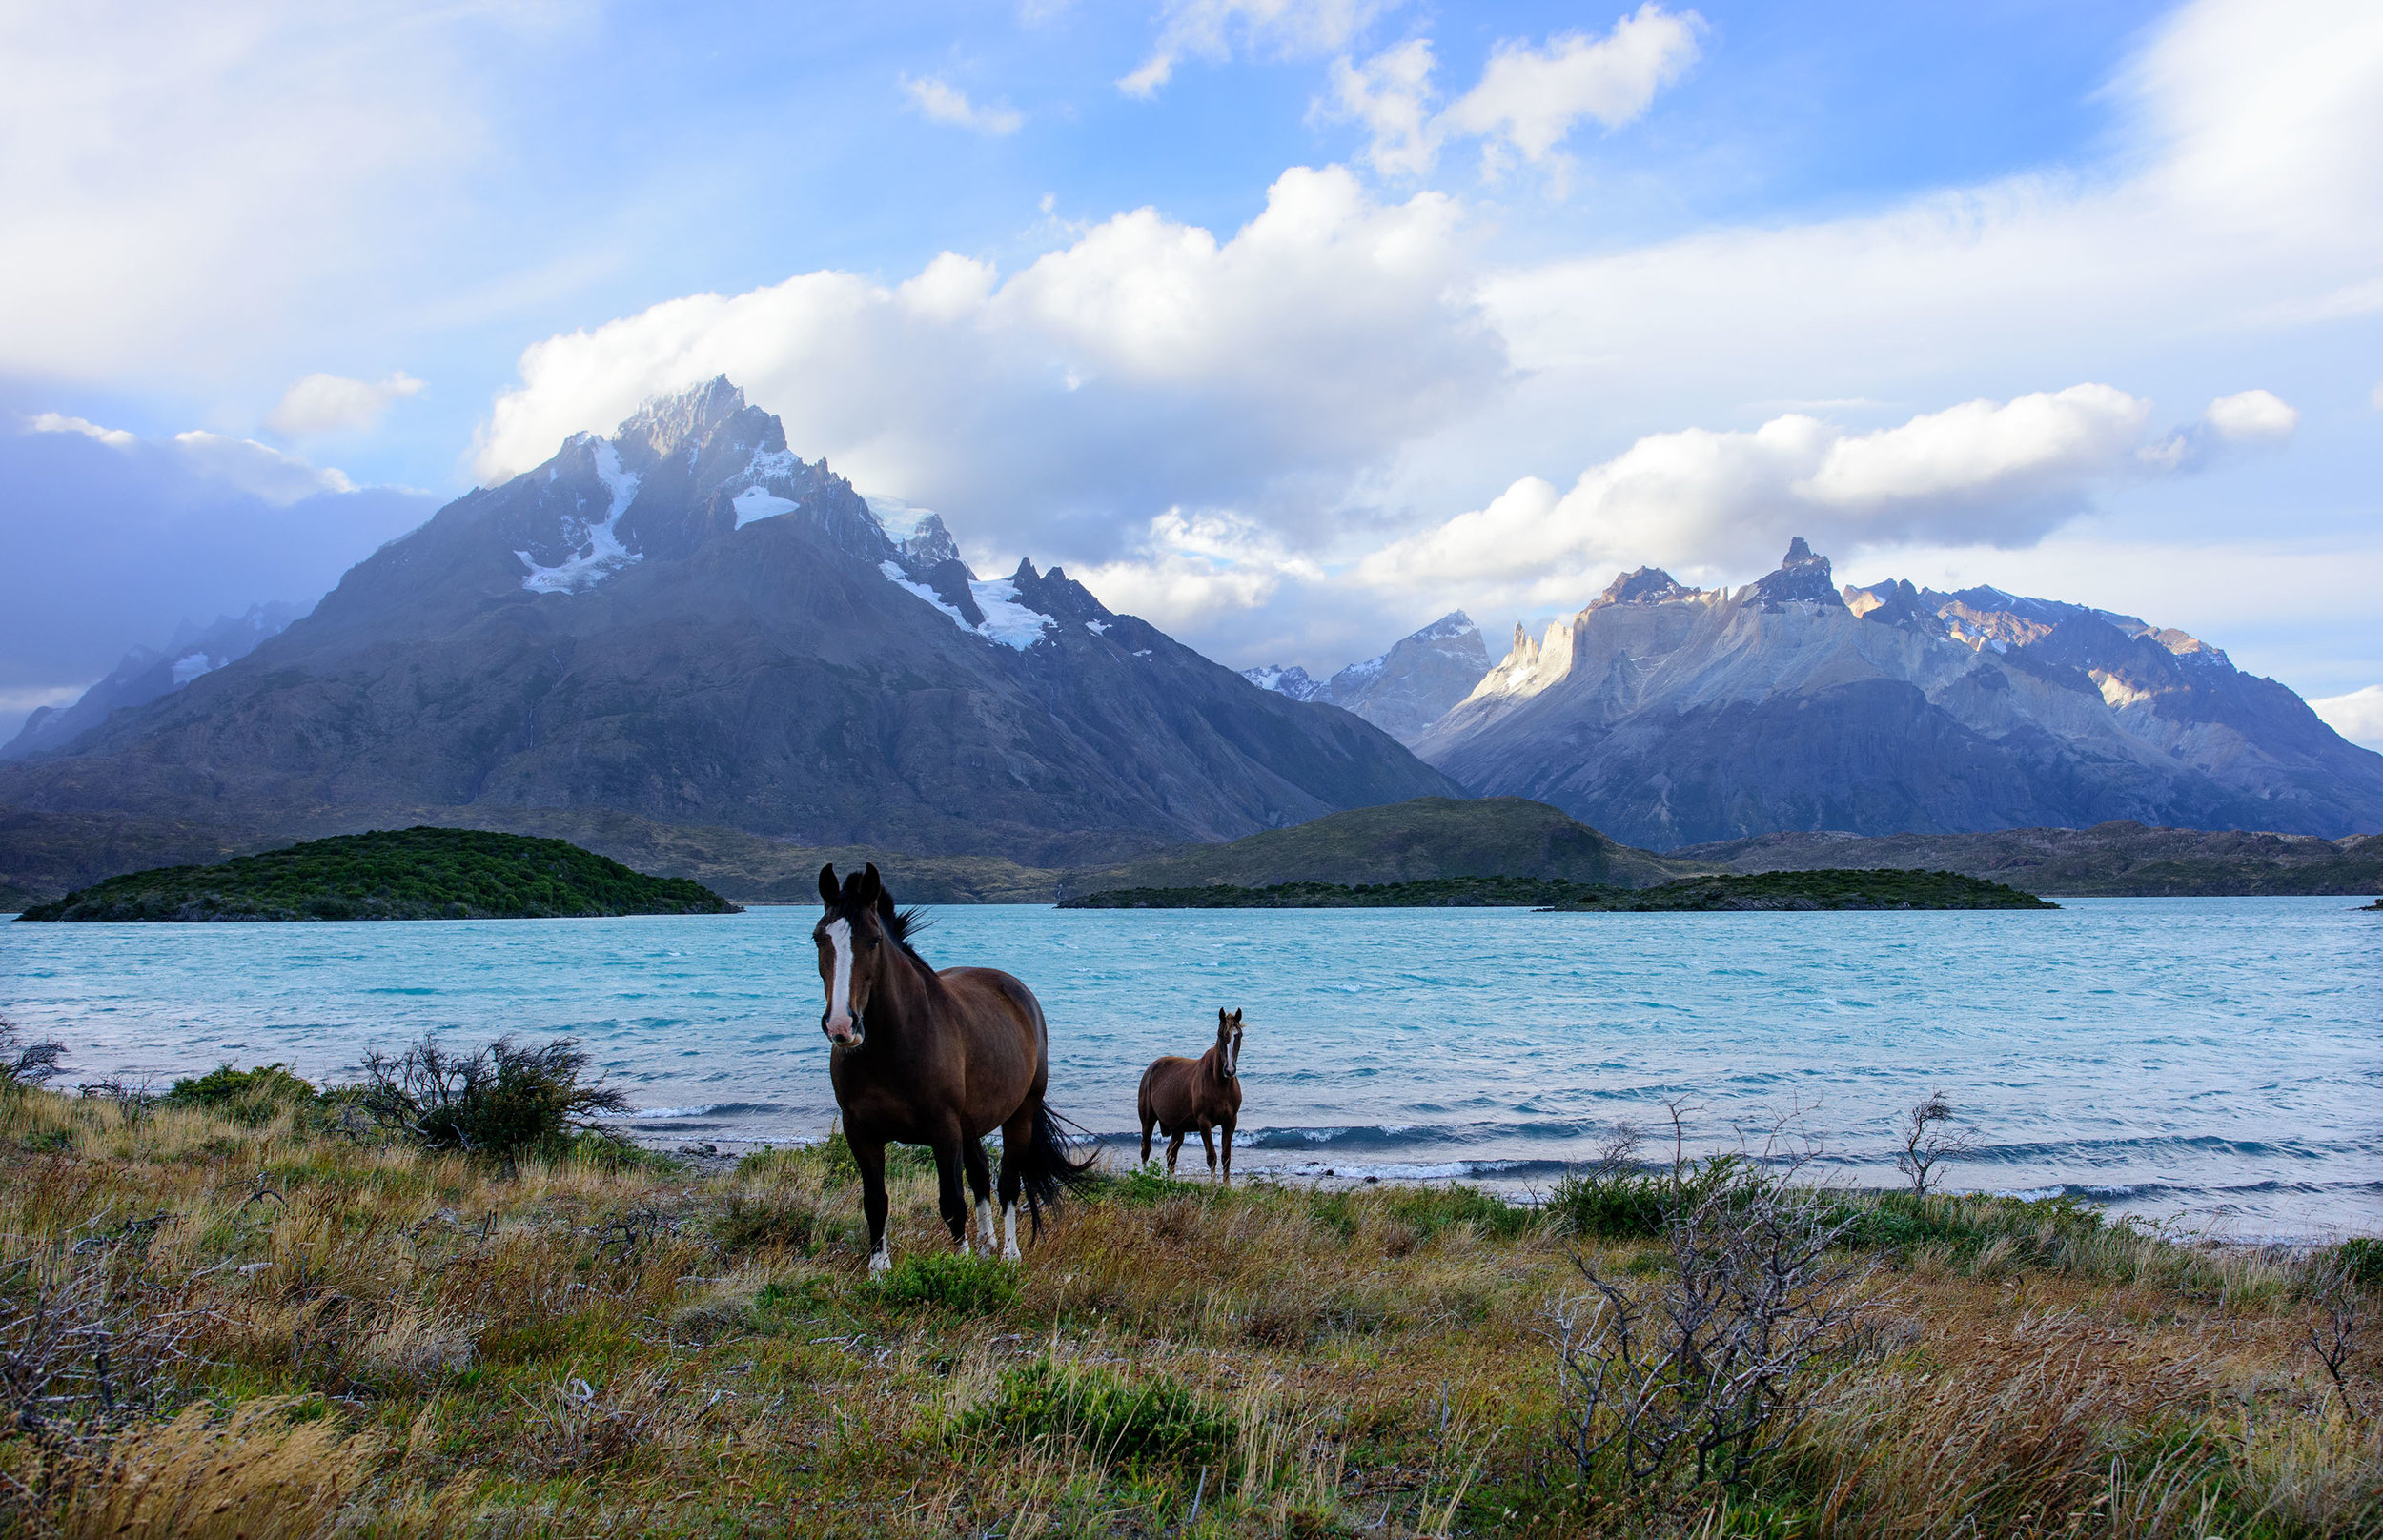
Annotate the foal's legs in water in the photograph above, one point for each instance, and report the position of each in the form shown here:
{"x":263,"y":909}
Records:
{"x":869,"y":1155}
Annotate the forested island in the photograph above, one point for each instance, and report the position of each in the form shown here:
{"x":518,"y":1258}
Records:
{"x":398,"y":874}
{"x":1765,"y":890}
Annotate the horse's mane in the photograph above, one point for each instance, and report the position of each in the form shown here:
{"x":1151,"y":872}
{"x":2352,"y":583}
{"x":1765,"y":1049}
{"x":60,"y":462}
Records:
{"x":904,"y":924}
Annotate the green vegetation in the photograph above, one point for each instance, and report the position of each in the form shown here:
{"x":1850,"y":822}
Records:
{"x":412,"y":874}
{"x":1426,"y":839}
{"x":1433,"y":892}
{"x":214,"y":1326}
{"x":251,"y":1097}
{"x":1883,"y":889}
{"x":1768,"y":890}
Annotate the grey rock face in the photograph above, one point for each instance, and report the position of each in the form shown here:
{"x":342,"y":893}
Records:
{"x":147,"y":673}
{"x":1403,"y":691}
{"x":1668,"y":715}
{"x":687,"y":622}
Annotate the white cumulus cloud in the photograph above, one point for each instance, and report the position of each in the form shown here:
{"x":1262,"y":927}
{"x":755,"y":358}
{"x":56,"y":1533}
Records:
{"x":60,"y":422}
{"x":2251,"y":415}
{"x":939,"y":101}
{"x":1980,"y":473}
{"x":1052,"y":402}
{"x":1528,"y":99}
{"x":2357,"y":716}
{"x":330,"y":403}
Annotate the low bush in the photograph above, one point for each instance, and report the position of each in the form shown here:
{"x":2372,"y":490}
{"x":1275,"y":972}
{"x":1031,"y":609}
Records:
{"x":2032,"y":1232}
{"x":251,"y":1097}
{"x":1150,"y":1419}
{"x":949,"y":1281}
{"x":23,"y":1065}
{"x":832,"y":1158}
{"x":757,"y":1222}
{"x":503,"y":1102}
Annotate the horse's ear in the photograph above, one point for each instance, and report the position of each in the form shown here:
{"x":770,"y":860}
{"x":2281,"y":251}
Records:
{"x":827,"y":890}
{"x":871,"y":886}
{"x":1224,"y":1018}
{"x":1236,"y":1021}
{"x":886,"y":908}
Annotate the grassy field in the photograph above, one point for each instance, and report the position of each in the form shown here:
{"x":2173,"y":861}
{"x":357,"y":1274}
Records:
{"x":224,"y":1323}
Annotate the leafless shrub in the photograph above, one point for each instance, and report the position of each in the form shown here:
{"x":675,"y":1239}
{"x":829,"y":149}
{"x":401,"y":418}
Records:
{"x":1928,"y":1143}
{"x":1755,"y":1310}
{"x":2343,"y":1318}
{"x":23,"y":1065}
{"x":134,"y":1100}
{"x":89,"y":1335}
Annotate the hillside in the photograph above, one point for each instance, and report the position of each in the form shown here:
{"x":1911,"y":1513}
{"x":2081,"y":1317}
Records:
{"x":686,"y":622}
{"x":1813,"y":890}
{"x":2122,"y":859}
{"x":409,"y":873}
{"x":1417,"y":840}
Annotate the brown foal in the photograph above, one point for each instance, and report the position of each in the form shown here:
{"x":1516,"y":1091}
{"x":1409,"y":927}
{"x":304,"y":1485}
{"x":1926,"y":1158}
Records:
{"x":1179,"y":1095}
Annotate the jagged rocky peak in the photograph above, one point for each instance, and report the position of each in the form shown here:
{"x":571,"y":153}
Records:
{"x":1895,"y":604}
{"x":1646,"y":585}
{"x":1289,"y":679}
{"x":1802,"y":577}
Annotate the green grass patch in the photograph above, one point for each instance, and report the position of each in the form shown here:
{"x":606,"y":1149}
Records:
{"x":1149,"y":1419}
{"x":952,"y":1282}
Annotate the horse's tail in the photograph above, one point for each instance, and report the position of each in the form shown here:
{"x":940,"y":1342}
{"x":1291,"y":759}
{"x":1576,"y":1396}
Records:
{"x":1058,"y":1156}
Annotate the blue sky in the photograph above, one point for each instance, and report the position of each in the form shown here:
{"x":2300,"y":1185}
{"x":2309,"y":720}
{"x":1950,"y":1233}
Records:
{"x":1385,"y":341}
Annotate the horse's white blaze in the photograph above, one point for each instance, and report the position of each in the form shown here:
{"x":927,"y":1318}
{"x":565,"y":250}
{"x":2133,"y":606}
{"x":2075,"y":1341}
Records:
{"x":985,"y":1225}
{"x":839,"y":986}
{"x":1009,"y":1231}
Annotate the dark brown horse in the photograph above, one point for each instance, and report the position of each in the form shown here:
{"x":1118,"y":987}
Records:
{"x":1179,"y":1095}
{"x":935,"y":1059}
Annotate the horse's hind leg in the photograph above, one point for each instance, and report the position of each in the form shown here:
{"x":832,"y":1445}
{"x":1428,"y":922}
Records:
{"x":869,"y":1155}
{"x":980,"y":1172}
{"x":1207,"y":1141}
{"x":1016,"y":1135}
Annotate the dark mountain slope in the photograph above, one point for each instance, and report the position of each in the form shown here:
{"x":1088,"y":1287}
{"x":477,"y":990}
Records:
{"x":687,"y":624}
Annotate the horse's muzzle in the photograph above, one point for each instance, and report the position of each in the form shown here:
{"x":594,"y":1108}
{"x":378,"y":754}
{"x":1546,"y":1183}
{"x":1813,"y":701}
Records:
{"x":852,"y":1037}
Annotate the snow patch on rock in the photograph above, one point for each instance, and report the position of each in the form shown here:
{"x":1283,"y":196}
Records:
{"x":759,"y":502}
{"x":603,"y":553}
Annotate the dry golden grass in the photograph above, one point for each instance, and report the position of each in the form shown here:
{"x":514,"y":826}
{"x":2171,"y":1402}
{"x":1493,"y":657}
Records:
{"x":368,"y":1340}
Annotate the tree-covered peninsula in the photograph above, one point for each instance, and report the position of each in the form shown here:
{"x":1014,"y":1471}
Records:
{"x":398,"y":874}
{"x":1721,"y":892}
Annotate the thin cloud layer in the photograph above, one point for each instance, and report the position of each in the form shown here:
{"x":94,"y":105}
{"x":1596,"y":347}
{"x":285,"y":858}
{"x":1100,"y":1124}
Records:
{"x":114,"y":538}
{"x":1212,"y":29}
{"x":939,"y":101}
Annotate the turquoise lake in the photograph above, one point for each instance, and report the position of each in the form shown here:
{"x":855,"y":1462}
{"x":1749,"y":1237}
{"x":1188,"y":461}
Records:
{"x":2214,"y":1061}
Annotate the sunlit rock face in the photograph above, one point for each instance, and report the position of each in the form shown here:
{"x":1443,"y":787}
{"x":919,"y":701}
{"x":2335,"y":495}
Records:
{"x":1669,"y":715}
{"x":687,"y":621}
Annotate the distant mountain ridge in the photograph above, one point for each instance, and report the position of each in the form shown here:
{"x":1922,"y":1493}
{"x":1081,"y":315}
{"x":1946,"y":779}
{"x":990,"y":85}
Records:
{"x":1671,"y":716}
{"x":1402,"y":691}
{"x":147,"y":673}
{"x":687,"y":622}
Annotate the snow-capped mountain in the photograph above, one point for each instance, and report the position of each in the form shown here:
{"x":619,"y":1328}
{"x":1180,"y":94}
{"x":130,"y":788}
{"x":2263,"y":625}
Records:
{"x":1667,"y":715}
{"x":147,"y":673}
{"x":1404,"y":690}
{"x":687,"y":621}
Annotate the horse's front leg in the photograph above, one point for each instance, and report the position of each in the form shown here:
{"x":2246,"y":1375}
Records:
{"x":1228,"y":1123}
{"x":869,"y":1155}
{"x":1207,"y":1142}
{"x":954,"y":1205}
{"x":1174,"y":1143}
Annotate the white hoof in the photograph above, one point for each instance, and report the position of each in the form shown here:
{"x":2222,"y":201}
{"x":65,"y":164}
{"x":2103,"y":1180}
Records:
{"x":879,"y":1264}
{"x":1012,"y":1253}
